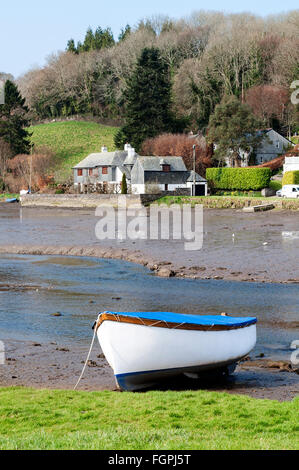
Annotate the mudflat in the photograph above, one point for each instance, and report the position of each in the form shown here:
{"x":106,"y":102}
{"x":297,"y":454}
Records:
{"x":260,"y":247}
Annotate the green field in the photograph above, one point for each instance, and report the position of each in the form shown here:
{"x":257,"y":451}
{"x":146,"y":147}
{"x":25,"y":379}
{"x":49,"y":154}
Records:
{"x":45,"y":419}
{"x":72,"y":141}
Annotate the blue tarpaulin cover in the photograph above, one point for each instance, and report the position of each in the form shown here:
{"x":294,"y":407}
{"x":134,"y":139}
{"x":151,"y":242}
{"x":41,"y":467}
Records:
{"x":171,"y":317}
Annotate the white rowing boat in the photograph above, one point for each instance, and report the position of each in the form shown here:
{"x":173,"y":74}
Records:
{"x":144,"y":347}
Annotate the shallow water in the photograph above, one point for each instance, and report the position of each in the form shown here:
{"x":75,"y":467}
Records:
{"x":79,"y":288}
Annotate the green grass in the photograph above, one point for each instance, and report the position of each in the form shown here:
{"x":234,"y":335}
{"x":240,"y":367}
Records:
{"x":4,"y":196}
{"x":193,"y":200}
{"x":45,"y":419}
{"x":72,"y":141}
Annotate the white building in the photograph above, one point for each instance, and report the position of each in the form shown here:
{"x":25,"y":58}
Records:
{"x":291,"y":164}
{"x":145,"y":175}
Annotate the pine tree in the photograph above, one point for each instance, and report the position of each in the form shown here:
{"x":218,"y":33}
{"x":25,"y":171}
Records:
{"x":13,"y":120}
{"x":125,"y":32}
{"x":148,"y":101}
{"x":71,"y":46}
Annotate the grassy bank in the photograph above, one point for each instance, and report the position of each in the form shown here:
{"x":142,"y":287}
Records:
{"x":44,"y":419}
{"x":229,"y":202}
{"x":4,"y":196}
{"x":72,"y":141}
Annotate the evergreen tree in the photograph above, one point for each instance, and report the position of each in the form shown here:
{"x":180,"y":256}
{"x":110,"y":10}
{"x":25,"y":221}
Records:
{"x":125,"y":32}
{"x":148,"y":101}
{"x":13,"y":120}
{"x":71,"y":47}
{"x":93,"y":41}
{"x":124,"y":187}
{"x":233,"y":127}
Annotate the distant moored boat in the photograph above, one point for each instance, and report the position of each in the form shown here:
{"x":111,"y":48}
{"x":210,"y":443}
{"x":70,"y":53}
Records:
{"x":145,"y":347}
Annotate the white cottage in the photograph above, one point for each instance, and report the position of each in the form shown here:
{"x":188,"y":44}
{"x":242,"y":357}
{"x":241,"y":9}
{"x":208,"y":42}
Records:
{"x":152,"y":174}
{"x":105,"y":168}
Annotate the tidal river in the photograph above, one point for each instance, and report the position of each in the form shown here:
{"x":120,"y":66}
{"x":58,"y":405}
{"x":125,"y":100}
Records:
{"x":49,"y":301}
{"x":56,"y":298}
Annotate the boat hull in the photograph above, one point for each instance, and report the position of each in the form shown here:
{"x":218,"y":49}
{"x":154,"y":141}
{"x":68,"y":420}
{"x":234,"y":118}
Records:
{"x":141,"y":356}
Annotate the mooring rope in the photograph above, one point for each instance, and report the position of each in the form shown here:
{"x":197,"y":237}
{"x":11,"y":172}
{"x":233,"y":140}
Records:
{"x":87,"y":359}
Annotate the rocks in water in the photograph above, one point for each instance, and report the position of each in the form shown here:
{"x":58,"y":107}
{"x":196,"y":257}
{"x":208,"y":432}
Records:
{"x":166,"y":272}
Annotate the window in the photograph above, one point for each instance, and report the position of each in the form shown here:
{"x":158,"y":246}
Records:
{"x":104,"y":170}
{"x":166,"y":187}
{"x":80,"y":172}
{"x":165,"y":167}
{"x":90,"y":172}
{"x":278,"y":144}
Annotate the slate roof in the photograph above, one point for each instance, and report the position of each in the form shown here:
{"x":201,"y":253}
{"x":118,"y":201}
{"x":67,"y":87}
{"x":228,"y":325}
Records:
{"x":103,"y":159}
{"x":198,"y":178}
{"x":154,"y":163}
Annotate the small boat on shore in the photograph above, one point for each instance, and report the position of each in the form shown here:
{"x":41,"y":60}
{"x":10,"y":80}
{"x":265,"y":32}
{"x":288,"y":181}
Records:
{"x":11,"y":200}
{"x":145,"y":347}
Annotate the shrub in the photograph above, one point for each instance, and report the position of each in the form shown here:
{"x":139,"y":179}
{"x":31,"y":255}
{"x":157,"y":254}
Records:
{"x":275,"y":185}
{"x":124,"y":187}
{"x":25,"y":168}
{"x":290,"y":177}
{"x":239,"y":178}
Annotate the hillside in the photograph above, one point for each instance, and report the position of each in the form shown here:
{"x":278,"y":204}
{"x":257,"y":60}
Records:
{"x":72,"y":141}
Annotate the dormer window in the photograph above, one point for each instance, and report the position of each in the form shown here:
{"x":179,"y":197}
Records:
{"x":165,"y":167}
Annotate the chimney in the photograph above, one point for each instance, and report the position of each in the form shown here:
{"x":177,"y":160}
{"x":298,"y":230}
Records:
{"x":104,"y":149}
{"x":131,"y":152}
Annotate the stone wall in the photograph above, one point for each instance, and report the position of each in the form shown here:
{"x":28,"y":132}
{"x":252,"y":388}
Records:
{"x":82,"y":201}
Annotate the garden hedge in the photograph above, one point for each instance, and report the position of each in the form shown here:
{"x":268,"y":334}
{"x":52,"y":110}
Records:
{"x":290,"y":177}
{"x":239,"y":178}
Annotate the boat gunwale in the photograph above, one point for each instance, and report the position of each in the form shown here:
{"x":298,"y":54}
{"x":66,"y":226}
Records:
{"x":170,"y":325}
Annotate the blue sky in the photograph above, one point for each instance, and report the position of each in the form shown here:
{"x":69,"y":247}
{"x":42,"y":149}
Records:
{"x":30,"y":30}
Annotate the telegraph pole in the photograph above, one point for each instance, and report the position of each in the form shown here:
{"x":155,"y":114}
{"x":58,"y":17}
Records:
{"x":194,"y":177}
{"x":30,"y":176}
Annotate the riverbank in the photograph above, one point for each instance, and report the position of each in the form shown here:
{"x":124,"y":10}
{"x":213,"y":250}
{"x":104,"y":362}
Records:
{"x":44,"y":420}
{"x":91,"y":201}
{"x":57,"y":366}
{"x":231,"y":202}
